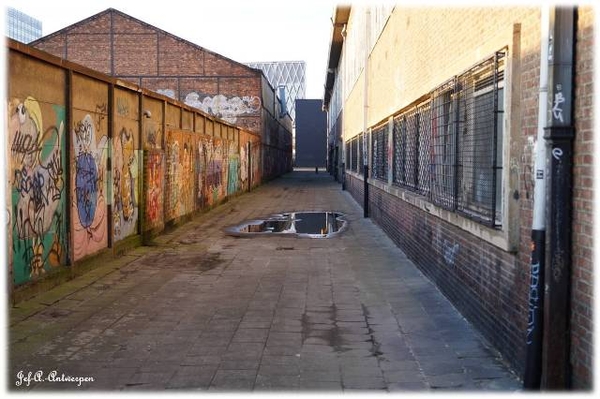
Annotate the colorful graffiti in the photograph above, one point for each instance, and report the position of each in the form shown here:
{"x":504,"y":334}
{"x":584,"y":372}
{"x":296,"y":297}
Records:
{"x":152,"y":135}
{"x":228,"y":109}
{"x":155,"y":175}
{"x":37,"y":188}
{"x":89,"y":187}
{"x":179,"y":176}
{"x":125,"y":185}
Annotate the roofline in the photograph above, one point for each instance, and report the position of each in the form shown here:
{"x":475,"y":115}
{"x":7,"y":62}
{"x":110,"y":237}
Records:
{"x":115,"y":11}
{"x":339,"y":20}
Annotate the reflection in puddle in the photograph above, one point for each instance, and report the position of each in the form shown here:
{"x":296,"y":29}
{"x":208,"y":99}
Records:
{"x":306,"y":224}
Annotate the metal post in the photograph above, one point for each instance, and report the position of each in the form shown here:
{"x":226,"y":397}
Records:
{"x":366,"y":192}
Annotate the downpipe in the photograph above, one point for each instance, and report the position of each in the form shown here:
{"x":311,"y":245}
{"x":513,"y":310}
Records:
{"x":533,"y":362}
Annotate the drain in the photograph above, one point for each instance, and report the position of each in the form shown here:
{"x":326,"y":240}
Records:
{"x":301,"y":224}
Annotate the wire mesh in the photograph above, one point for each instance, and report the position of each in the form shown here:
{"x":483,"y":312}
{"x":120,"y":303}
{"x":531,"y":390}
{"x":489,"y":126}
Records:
{"x":361,"y":154}
{"x":379,"y":152}
{"x":480,"y":142}
{"x":354,"y":154}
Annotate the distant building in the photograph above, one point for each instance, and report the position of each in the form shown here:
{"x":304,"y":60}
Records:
{"x":311,"y":133}
{"x":122,"y":46}
{"x":20,"y":26}
{"x":291,"y":75}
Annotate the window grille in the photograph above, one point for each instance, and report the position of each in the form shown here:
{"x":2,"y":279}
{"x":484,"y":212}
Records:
{"x":412,"y":137}
{"x":354,"y":150}
{"x":449,"y":148}
{"x":379,"y":152}
{"x":361,"y":153}
{"x":481,"y":120}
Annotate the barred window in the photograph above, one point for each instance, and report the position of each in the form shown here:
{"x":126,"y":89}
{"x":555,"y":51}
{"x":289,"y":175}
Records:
{"x":354,"y":153}
{"x":481,"y":99}
{"x":449,"y":148}
{"x":361,"y":152}
{"x":347,"y":156}
{"x":412,"y":137}
{"x":379,"y":138}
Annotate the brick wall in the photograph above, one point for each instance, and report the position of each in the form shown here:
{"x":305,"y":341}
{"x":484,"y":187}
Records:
{"x":581,"y":278}
{"x":487,"y":282}
{"x":162,"y":62}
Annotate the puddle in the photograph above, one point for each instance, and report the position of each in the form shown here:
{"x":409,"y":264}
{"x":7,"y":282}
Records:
{"x":301,"y":224}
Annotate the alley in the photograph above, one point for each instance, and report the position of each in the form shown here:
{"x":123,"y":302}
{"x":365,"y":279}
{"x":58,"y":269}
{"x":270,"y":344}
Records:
{"x":201,"y":310}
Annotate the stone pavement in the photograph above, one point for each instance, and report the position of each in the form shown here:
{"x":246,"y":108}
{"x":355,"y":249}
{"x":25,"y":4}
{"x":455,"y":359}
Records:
{"x":201,"y":310}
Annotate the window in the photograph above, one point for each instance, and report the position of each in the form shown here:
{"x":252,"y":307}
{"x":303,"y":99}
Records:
{"x":379,"y":139}
{"x":449,"y":147}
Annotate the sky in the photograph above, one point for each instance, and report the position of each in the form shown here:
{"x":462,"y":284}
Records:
{"x":245,"y":31}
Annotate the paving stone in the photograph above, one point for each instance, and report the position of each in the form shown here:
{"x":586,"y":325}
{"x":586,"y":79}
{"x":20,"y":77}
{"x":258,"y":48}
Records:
{"x":310,"y":319}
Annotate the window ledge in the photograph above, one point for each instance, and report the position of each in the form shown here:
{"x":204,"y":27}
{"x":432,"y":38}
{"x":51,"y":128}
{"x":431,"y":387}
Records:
{"x":498,"y":238}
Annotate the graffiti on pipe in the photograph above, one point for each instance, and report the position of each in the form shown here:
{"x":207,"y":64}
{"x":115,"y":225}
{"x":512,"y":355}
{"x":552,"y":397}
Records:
{"x":37,"y":195}
{"x":89,"y":187}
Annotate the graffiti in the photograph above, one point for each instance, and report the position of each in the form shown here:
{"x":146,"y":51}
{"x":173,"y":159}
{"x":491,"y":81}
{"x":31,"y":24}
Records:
{"x":450,"y":252}
{"x":89,"y":203}
{"x":232,"y":176}
{"x":154,"y":197}
{"x":179,"y":178}
{"x":37,"y":181}
{"x":534,"y":298}
{"x":557,"y":153}
{"x":166,"y":92}
{"x":557,"y":111}
{"x":122,"y":107}
{"x":228,"y":109}
{"x":153,"y":135}
{"x":125,"y":197}
{"x":243,"y":167}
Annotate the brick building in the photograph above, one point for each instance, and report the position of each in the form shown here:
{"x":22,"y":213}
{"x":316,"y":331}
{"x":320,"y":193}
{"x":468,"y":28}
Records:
{"x":119,"y":45}
{"x":442,"y":106}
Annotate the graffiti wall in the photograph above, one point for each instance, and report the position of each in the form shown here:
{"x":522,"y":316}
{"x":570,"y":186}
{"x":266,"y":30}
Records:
{"x":179,"y":174}
{"x":154,"y":172}
{"x":227,"y":108}
{"x":89,"y":184}
{"x":109,"y":166}
{"x":37,"y":187}
{"x":125,"y":166}
{"x":249,"y":172}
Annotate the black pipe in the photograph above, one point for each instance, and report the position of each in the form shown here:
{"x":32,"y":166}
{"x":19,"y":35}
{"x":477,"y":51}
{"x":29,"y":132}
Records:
{"x":533,"y":363}
{"x":343,"y":176}
{"x":366,"y":192}
{"x":559,"y":138}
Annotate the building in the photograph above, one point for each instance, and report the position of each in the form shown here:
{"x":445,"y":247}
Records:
{"x":122,"y":46}
{"x":483,"y":181}
{"x":22,"y":27}
{"x":289,"y":76}
{"x":311,"y":134}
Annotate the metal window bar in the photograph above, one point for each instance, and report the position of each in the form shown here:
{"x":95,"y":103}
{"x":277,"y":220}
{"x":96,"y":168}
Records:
{"x":361,"y":154}
{"x":443,"y":147}
{"x":347,"y":157}
{"x":423,"y":148}
{"x":379,"y":153}
{"x":354,"y":154}
{"x":478,"y":142}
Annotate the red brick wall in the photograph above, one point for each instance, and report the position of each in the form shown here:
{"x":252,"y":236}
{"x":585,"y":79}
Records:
{"x":156,"y":60}
{"x":581,"y":278}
